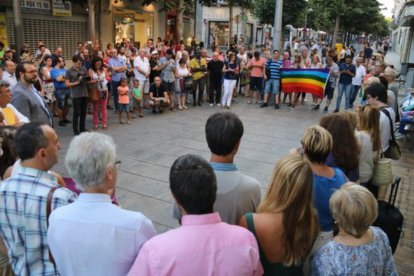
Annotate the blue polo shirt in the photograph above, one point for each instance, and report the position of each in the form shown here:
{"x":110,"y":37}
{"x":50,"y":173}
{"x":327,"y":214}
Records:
{"x":55,"y":73}
{"x":117,"y":62}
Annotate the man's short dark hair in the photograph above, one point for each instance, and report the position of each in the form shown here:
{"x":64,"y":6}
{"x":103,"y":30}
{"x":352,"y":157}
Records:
{"x":377,"y":90}
{"x":29,"y":139}
{"x":275,"y":51}
{"x":193,"y":184}
{"x":256,"y":54}
{"x":223,"y":131}
{"x":76,"y":58}
{"x":20,"y":68}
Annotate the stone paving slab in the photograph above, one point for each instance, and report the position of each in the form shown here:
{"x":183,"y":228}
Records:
{"x":150,"y":145}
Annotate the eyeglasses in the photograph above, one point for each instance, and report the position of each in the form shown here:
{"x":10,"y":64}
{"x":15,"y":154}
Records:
{"x":118,"y":163}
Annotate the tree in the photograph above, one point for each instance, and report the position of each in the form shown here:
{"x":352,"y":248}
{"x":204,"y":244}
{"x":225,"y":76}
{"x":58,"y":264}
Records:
{"x":293,"y":12}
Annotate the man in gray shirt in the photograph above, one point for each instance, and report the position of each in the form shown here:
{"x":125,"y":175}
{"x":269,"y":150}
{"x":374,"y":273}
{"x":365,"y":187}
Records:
{"x":76,"y":79}
{"x":237,"y":193}
{"x":167,"y":65}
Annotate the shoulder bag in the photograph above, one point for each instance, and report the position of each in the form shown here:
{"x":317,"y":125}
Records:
{"x":394,"y":147}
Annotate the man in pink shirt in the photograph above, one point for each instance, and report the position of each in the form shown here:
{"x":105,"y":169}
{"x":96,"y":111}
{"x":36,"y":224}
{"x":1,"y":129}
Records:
{"x":203,"y":245}
{"x":257,"y":65}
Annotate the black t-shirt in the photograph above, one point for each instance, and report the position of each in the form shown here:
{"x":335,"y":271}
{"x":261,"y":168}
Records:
{"x":216,"y":69}
{"x":153,"y":73}
{"x":157,"y":91}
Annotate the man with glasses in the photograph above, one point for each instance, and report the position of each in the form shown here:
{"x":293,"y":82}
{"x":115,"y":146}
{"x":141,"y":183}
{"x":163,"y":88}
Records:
{"x":26,"y":98}
{"x":23,"y":198}
{"x":76,"y":79}
{"x":62,"y":92}
{"x":91,"y":162}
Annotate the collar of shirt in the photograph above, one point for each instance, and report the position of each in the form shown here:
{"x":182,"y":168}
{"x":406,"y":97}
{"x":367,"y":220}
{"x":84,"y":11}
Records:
{"x":200,"y":219}
{"x":31,"y":172}
{"x":228,"y":167}
{"x":94,"y":197}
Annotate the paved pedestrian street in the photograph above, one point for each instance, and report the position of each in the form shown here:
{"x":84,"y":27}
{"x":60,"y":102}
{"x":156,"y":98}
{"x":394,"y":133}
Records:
{"x":149,"y":146}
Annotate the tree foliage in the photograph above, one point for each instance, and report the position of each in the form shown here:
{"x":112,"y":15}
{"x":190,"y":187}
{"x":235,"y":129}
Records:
{"x":293,"y":11}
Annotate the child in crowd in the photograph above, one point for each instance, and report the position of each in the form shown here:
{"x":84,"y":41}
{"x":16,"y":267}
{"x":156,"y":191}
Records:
{"x":123,"y":100}
{"x":137,"y":102}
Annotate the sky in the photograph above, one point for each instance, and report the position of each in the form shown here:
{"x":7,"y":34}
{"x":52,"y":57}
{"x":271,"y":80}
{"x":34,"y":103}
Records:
{"x":389,"y":5}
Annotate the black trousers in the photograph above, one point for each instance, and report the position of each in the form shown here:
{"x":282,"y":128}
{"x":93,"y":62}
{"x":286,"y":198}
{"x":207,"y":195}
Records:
{"x":200,"y":84}
{"x":79,"y":114}
{"x":215,"y":85}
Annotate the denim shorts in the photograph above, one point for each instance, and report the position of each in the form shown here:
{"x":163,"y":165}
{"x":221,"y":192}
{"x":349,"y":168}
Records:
{"x":123,"y":107}
{"x":272,"y":85}
{"x":63,"y":98}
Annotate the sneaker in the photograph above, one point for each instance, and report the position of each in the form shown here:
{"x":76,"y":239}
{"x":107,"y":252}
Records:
{"x":316,"y":107}
{"x":66,"y":121}
{"x":218,"y":105}
{"x":141,"y":114}
{"x":276,"y":106}
{"x":194,"y":104}
{"x":325,"y":109}
{"x":211,"y":105}
{"x":161,"y":110}
{"x":263,"y":105}
{"x":109,"y":107}
{"x":199,"y":104}
{"x":129,"y":122}
{"x":154,"y":111}
{"x":336,"y":111}
{"x":62,"y":123}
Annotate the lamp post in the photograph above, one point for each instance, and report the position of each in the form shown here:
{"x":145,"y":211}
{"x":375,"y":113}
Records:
{"x":306,"y":22}
{"x":277,"y":26}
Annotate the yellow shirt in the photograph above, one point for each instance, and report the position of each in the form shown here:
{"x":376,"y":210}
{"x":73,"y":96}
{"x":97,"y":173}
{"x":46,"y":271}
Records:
{"x":9,"y":116}
{"x":195,"y":64}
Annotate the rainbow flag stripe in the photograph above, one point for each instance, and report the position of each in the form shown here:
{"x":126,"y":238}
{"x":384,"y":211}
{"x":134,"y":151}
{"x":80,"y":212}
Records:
{"x":305,"y":80}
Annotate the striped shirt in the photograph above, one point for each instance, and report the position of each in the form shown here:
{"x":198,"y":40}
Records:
{"x":23,"y":224}
{"x":274,"y":67}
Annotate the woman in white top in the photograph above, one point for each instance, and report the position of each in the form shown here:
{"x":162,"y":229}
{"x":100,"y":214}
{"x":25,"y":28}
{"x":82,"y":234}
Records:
{"x":47,"y":84}
{"x":376,"y":95}
{"x":182,"y":75}
{"x":369,"y":138}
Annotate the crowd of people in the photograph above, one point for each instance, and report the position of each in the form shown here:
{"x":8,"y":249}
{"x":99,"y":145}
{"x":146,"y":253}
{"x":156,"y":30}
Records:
{"x":162,"y":76}
{"x":227,"y":228}
{"x":314,"y":219}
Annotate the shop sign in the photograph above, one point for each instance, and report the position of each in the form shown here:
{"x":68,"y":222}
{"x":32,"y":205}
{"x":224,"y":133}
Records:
{"x":42,"y":6}
{"x":61,"y":8}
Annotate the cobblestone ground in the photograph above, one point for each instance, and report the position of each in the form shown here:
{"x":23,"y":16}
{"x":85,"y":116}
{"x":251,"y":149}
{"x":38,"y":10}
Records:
{"x":149,"y":146}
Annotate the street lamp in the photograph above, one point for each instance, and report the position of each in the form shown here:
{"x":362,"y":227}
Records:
{"x":306,"y":22}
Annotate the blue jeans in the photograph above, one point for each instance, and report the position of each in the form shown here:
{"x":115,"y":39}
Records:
{"x":354,"y":94}
{"x":347,"y":88}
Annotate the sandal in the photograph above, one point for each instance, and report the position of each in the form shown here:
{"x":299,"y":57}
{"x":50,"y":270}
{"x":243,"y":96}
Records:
{"x":249,"y":102}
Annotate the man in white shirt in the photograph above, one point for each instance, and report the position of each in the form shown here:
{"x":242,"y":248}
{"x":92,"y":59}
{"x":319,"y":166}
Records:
{"x":357,"y":80}
{"x":92,"y":236}
{"x":9,"y":73}
{"x":142,"y":70}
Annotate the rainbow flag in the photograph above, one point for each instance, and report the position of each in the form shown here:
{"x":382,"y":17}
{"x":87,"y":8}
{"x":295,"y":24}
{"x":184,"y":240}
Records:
{"x":305,"y":80}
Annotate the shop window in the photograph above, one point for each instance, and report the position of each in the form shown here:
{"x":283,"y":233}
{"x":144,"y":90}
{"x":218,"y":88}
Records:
{"x":218,"y":33}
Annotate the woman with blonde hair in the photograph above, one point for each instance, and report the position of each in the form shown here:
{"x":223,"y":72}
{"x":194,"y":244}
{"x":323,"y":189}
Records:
{"x":317,"y":143}
{"x":359,"y":248}
{"x":369,"y":138}
{"x":285,"y":224}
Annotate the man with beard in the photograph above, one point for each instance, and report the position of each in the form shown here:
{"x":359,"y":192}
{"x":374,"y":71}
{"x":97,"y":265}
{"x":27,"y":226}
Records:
{"x":155,"y":68}
{"x":26,"y":97}
{"x":75,"y":80}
